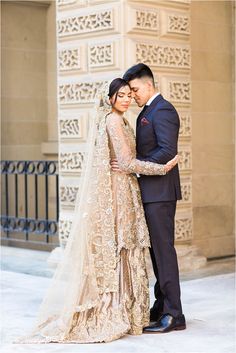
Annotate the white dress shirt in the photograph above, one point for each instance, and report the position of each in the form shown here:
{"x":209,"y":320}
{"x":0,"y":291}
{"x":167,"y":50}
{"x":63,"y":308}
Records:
{"x":152,"y":98}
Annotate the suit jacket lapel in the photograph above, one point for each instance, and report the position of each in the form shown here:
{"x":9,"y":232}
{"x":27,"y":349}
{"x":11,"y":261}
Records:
{"x":154,"y":102}
{"x":142,"y":111}
{"x":148,"y":109}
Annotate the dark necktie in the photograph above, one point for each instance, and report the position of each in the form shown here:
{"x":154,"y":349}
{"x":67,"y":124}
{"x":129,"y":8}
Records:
{"x":144,"y":108}
{"x":142,"y":113}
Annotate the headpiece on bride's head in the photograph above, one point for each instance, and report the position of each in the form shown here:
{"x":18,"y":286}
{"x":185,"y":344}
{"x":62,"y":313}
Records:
{"x":102,"y":102}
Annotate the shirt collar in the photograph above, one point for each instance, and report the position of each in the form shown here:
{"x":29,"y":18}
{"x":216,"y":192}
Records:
{"x":152,"y":98}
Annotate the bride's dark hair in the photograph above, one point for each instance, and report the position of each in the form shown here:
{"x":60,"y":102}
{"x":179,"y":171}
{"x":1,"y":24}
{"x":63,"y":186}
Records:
{"x":115,"y":85}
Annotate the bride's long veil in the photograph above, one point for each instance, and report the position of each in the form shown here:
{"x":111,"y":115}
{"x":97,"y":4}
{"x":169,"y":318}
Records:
{"x":81,"y":276}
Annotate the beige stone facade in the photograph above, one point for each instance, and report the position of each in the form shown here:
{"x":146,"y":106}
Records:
{"x":190,"y":48}
{"x":28,"y":56}
{"x":28,"y":97}
{"x":213,"y":139}
{"x":99,"y":40}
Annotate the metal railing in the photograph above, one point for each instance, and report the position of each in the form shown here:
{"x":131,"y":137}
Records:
{"x":30,"y":204}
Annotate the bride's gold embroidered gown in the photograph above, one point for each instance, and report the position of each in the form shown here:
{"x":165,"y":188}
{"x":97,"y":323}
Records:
{"x":124,"y":307}
{"x":127,"y":310}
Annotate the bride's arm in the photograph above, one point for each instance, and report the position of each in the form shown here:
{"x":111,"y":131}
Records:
{"x":124,"y":155}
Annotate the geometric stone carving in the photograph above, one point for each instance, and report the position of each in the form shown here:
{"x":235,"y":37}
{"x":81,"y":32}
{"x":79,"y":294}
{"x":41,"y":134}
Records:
{"x":185,"y":162}
{"x":186,"y":189}
{"x":185,"y":124}
{"x":179,"y":91}
{"x":95,"y":21}
{"x":142,"y":20}
{"x":175,"y":24}
{"x":71,"y":161}
{"x":68,"y":194}
{"x":178,"y":24}
{"x":64,"y":230}
{"x":163,"y":55}
{"x":183,"y":228}
{"x":101,"y":55}
{"x":69,"y":59}
{"x":72,"y":128}
{"x":81,"y":92}
{"x":146,"y":19}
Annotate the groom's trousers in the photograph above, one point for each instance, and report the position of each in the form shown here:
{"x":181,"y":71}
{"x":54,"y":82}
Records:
{"x":161,"y":226}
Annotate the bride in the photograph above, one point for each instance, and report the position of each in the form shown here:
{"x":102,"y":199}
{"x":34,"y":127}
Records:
{"x":100,"y":288}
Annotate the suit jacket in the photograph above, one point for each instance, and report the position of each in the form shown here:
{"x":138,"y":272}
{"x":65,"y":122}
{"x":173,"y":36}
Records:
{"x":157,"y":133}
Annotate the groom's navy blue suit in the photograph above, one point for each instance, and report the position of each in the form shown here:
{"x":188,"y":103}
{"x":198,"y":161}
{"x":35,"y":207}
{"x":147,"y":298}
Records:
{"x":156,"y":138}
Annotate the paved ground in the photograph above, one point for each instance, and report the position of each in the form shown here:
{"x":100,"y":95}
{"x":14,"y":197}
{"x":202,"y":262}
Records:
{"x":209,"y":306}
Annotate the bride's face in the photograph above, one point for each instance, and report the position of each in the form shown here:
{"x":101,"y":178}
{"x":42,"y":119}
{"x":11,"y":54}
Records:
{"x":121,"y":100}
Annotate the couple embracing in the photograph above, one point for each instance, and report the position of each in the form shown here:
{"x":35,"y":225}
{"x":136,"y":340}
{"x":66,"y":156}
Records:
{"x":125,"y":207}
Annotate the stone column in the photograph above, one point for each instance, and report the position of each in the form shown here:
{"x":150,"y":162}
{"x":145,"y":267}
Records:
{"x":97,"y":41}
{"x":50,"y":146}
{"x":213,"y":114}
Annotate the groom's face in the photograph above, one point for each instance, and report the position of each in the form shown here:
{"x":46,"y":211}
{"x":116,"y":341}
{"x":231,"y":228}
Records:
{"x":141,"y":90}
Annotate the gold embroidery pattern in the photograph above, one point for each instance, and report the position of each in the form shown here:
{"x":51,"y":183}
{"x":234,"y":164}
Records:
{"x":123,"y":145}
{"x":116,"y":251}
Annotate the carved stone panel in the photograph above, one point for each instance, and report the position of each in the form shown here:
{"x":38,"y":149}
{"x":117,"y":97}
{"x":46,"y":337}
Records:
{"x":175,"y":24}
{"x":145,"y":21}
{"x":161,"y":55}
{"x":79,"y":92}
{"x":178,"y":24}
{"x":185,"y":124}
{"x":103,"y":55}
{"x":73,"y":127}
{"x":71,"y":59}
{"x":177,"y":90}
{"x":186,"y":189}
{"x":68,"y":195}
{"x":71,"y":161}
{"x":183,"y":227}
{"x":65,"y":227}
{"x":185,"y":153}
{"x":94,"y":21}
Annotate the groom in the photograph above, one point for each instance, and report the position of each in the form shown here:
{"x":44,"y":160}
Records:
{"x":156,"y":138}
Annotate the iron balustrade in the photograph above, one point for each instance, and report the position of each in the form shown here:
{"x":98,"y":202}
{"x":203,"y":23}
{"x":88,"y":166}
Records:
{"x":27,"y":214}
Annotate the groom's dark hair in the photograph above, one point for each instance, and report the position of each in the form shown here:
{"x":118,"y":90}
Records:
{"x":138,"y":71}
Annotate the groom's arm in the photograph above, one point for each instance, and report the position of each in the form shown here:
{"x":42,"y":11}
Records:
{"x":166,"y":127}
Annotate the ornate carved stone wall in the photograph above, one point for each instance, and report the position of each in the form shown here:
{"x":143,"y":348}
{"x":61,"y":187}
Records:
{"x":97,"y":41}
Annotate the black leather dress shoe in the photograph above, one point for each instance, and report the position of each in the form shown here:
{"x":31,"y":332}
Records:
{"x":166,"y":323}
